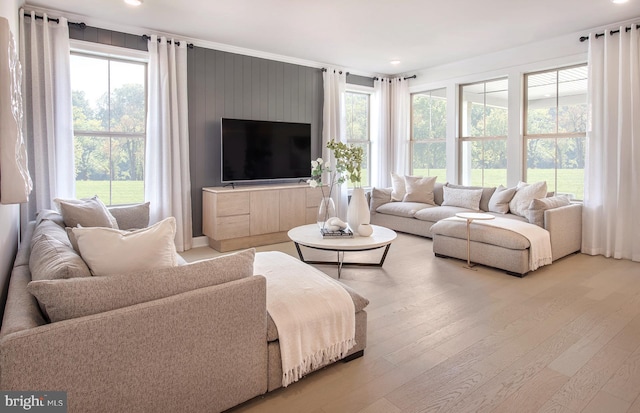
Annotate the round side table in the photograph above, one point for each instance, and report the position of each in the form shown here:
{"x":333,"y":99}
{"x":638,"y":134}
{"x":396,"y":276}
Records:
{"x":470,"y":217}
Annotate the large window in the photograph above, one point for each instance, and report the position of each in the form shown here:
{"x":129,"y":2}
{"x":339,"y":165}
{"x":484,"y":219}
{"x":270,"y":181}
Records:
{"x":429,"y":133}
{"x":109,"y":115}
{"x":357,"y":107}
{"x":483,"y":133}
{"x":555,"y":128}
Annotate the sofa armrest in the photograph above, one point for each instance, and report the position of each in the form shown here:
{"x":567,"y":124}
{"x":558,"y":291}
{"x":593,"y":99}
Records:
{"x":565,"y":227}
{"x":202,"y":350}
{"x":379,"y":196}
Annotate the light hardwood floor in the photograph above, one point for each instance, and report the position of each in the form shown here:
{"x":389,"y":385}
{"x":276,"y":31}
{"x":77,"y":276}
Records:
{"x":441,"y":338}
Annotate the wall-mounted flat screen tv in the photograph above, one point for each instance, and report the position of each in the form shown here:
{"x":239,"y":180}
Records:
{"x":255,"y":150}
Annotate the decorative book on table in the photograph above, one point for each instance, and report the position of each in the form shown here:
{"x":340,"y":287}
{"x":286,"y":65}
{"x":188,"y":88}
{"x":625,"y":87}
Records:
{"x":341,"y":233}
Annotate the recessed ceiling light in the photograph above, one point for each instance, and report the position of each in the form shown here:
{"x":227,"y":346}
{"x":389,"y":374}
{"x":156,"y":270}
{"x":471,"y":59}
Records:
{"x":133,"y":2}
{"x":395,"y":62}
{"x":619,"y":1}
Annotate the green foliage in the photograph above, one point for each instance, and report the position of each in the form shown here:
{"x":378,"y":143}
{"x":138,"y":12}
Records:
{"x":348,"y":159}
{"x":106,"y":158}
{"x":357,"y":116}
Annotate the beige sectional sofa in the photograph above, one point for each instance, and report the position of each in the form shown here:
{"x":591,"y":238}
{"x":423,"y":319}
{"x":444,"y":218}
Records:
{"x":190,"y":338}
{"x":495,"y":247}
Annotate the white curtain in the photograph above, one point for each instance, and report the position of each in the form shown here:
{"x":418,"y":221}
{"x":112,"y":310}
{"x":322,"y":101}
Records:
{"x":167,"y":178}
{"x":44,"y":52}
{"x":381,"y":144}
{"x":400,"y":125}
{"x":333,"y":126}
{"x":612,"y":174}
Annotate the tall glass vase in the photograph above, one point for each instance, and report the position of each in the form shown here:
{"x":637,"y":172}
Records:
{"x":326,"y":210}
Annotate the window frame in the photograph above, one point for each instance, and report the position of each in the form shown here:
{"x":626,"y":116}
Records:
{"x":363,"y":90}
{"x":412,"y":140}
{"x":555,"y":136}
{"x":486,"y":138}
{"x":115,"y":54}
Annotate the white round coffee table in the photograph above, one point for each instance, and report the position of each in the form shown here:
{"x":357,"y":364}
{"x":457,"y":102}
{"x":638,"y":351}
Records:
{"x":470,"y":217}
{"x":309,"y":236}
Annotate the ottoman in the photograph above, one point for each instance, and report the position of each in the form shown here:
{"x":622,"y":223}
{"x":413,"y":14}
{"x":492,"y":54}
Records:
{"x":490,"y":246}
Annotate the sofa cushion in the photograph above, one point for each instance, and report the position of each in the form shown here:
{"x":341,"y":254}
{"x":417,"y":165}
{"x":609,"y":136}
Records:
{"x":438,"y":193}
{"x":438,"y":213}
{"x":481,"y":233}
{"x":90,"y":212}
{"x":53,"y":259}
{"x":500,"y":199}
{"x":131,"y":216}
{"x":535,"y":213}
{"x":525,"y":193}
{"x":398,"y":189}
{"x":78,"y":297}
{"x":419,"y":189}
{"x":487,"y":192}
{"x":49,"y":215}
{"x":403,"y":209}
{"x":379,"y":197}
{"x":110,"y":251}
{"x":463,"y":198}
{"x":359,"y":302}
{"x":51,"y":229}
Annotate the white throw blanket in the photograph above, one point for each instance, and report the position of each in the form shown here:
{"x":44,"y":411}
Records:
{"x":314,"y":315}
{"x":539,"y":238}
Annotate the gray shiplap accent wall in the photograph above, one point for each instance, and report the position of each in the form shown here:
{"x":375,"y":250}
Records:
{"x":228,"y":85}
{"x":223,"y":84}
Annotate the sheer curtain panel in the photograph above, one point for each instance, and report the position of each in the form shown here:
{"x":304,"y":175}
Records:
{"x":612,"y":174}
{"x":167,"y":178}
{"x":48,"y":127}
{"x":381,"y":145}
{"x":400,"y":125}
{"x":333,"y":127}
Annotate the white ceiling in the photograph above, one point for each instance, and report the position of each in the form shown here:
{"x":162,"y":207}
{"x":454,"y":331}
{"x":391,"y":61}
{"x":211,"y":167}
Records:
{"x":361,"y":35}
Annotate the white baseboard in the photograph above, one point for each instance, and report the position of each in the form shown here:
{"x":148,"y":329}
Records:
{"x":198,"y":242}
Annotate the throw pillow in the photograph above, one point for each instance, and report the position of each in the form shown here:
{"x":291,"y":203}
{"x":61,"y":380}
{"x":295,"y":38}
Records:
{"x":463,"y":198}
{"x":89,"y":212}
{"x":487,"y":192}
{"x":53,"y":259}
{"x":91,"y":295}
{"x":419,"y":189}
{"x":398,"y":188}
{"x":131,"y":216}
{"x":500,"y":199}
{"x":110,"y":251}
{"x":535,"y":213}
{"x":379,"y":197}
{"x":525,"y":193}
{"x":438,"y":193}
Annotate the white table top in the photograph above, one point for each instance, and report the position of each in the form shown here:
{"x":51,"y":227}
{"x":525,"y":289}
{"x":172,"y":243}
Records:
{"x":472,"y":216}
{"x":309,"y":235}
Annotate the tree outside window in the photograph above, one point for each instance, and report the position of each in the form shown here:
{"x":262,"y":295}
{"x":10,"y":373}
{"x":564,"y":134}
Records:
{"x":357,"y":107}
{"x":555,"y":128}
{"x":428,"y":133}
{"x":109,"y":120}
{"x":483,"y":138}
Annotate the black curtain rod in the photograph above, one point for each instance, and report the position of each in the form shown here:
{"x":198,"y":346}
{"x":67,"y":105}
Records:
{"x":612,"y":32}
{"x":147,"y":37}
{"x":80,"y":25}
{"x":324,"y":69}
{"x":402,"y":78}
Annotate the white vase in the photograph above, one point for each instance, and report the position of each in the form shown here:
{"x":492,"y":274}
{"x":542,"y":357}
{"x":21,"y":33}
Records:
{"x":358,"y":210}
